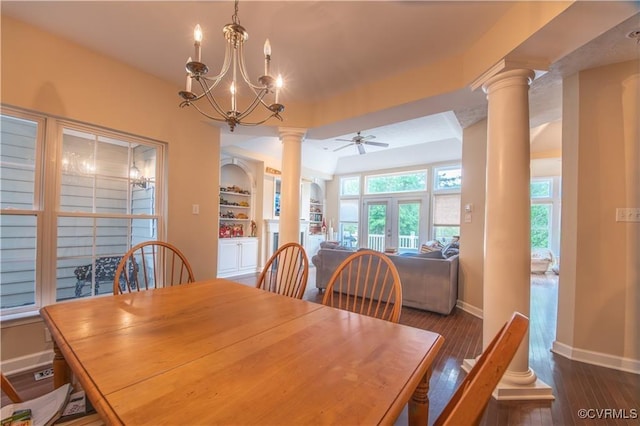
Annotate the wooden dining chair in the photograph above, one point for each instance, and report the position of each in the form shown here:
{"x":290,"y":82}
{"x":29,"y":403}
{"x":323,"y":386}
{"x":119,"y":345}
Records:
{"x":368,"y":283}
{"x":468,"y":403}
{"x":286,"y":272}
{"x":151,"y":264}
{"x":8,"y":389}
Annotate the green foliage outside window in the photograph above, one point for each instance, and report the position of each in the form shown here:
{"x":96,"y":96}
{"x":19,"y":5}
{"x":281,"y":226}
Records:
{"x":350,"y":185}
{"x":377,"y":218}
{"x":408,"y":222}
{"x":541,"y":189}
{"x":540,"y":225}
{"x":416,"y":181}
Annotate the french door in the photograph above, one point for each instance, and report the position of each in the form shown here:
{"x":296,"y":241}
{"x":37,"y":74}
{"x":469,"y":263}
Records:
{"x":393,"y":222}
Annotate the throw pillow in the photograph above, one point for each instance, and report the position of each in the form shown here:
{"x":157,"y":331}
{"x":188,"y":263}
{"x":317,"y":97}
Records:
{"x":429,"y":246}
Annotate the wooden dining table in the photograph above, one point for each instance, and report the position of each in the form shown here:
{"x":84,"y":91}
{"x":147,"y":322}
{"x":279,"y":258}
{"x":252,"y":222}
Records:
{"x":219,"y":352}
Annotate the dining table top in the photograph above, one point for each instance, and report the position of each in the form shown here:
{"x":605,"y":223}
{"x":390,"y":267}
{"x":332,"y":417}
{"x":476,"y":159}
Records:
{"x":219,"y":352}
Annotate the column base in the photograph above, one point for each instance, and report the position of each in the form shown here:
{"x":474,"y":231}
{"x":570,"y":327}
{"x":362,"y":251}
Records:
{"x":517,"y":386}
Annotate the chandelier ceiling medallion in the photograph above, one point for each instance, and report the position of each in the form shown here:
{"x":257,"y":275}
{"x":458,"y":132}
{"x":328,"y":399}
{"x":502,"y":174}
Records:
{"x":236,"y":36}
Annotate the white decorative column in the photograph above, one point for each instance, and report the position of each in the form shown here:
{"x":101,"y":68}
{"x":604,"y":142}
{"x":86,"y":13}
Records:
{"x":289,"y":228}
{"x":507,"y":262}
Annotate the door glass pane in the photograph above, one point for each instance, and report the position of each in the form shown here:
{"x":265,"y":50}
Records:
{"x":376,"y":226}
{"x":17,"y":260}
{"x":408,"y":226}
{"x":541,"y":225}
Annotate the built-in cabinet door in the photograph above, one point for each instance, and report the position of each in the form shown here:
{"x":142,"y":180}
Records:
{"x":248,"y":255}
{"x":228,"y":253}
{"x":237,"y":256}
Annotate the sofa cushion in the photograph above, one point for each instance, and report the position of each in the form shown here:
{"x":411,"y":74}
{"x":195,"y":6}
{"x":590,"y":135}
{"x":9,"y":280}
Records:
{"x":431,"y":255}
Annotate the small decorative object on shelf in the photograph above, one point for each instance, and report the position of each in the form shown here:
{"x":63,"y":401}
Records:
{"x":231,"y":230}
{"x":316,"y":217}
{"x":235,"y":189}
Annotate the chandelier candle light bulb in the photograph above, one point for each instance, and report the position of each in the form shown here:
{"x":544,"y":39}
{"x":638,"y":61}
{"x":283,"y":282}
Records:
{"x":188,"y":87}
{"x":267,"y":57}
{"x":279,"y":84}
{"x":205,"y":101}
{"x":197,"y":37}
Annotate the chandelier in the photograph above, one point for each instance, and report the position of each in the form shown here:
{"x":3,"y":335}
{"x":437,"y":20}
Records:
{"x":236,"y":36}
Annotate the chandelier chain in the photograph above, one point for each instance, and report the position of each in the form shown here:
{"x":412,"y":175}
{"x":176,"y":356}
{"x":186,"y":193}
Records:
{"x":235,"y":18}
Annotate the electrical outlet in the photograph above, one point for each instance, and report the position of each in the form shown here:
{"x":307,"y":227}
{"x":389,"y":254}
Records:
{"x":47,"y":335}
{"x":43,"y":374}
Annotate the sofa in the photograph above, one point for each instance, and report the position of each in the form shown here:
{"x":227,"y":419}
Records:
{"x":429,"y":280}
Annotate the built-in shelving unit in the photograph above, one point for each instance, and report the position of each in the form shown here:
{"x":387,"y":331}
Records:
{"x":235,"y":212}
{"x":238,"y":245}
{"x":316,"y":211}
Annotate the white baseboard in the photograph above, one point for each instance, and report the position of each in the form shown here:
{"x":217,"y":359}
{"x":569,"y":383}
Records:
{"x":27,"y":362}
{"x":596,"y":358}
{"x":476,"y":312}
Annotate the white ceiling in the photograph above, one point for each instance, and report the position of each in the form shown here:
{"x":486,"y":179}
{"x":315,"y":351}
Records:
{"x":324,"y":48}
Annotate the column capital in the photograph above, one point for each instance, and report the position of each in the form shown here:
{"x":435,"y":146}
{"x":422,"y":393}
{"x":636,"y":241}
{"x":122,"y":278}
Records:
{"x":517,"y":77}
{"x":506,"y":65}
{"x":291,"y":131}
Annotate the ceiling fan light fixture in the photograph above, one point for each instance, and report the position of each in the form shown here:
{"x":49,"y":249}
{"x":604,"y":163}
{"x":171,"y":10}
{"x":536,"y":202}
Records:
{"x":359,"y":141}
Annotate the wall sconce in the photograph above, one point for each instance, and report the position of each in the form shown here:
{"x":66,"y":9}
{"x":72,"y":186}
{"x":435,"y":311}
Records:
{"x":136,"y":177}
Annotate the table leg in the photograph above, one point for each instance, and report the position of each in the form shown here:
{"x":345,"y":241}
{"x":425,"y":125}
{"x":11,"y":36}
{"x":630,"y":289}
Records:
{"x":419,"y":402}
{"x":61,"y":372}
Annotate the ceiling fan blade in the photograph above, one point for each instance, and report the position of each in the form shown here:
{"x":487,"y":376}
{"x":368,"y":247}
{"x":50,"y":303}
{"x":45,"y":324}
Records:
{"x":361,"y":149}
{"x":367,"y":137}
{"x":342,"y":147}
{"x":345,"y":140}
{"x":377,"y":143}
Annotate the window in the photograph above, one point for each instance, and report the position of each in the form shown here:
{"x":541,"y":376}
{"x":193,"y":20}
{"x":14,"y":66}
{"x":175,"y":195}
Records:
{"x":541,"y":225}
{"x":448,"y":178}
{"x":446,"y":216}
{"x":350,"y":185}
{"x":541,"y":188}
{"x":21,"y":149}
{"x":397,"y":182}
{"x":103,"y":202}
{"x":545,"y":213}
{"x":446,"y":203}
{"x":348,"y":231}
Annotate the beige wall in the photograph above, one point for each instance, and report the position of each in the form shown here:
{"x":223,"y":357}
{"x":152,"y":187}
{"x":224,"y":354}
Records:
{"x":49,"y":75}
{"x":598,"y":289}
{"x":474,"y":166}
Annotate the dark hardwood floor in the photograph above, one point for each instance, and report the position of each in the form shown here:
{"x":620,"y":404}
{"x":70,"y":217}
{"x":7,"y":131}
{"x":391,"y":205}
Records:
{"x":575,"y":385}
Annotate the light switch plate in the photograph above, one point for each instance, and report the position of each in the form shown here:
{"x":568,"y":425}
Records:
{"x":628,"y":214}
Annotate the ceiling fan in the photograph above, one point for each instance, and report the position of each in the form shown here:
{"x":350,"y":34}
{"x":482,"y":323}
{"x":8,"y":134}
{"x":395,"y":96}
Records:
{"x":360,"y":141}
